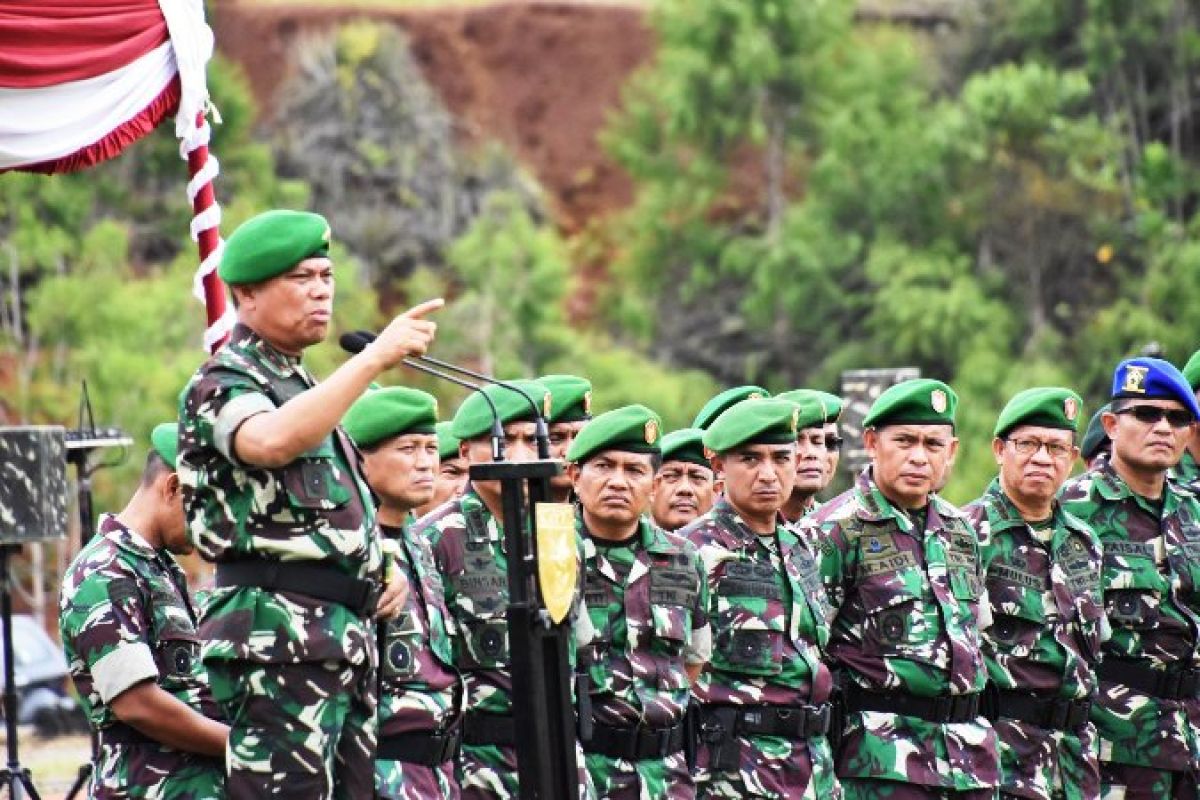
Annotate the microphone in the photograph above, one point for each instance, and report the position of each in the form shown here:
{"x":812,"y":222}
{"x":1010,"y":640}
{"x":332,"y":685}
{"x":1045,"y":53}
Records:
{"x":541,"y":431}
{"x":357,"y":341}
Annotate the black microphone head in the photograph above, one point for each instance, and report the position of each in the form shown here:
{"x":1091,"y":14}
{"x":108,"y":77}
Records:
{"x":355,"y":341}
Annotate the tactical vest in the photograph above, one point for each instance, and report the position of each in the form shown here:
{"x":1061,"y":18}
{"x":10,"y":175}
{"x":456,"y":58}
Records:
{"x":481,"y":597}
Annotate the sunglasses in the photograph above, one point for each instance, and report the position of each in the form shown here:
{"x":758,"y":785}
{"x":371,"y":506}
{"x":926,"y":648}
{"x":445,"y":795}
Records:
{"x":833,"y":442}
{"x":1150,"y":415}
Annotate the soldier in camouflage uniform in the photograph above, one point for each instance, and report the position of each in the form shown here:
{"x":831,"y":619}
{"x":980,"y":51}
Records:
{"x":274,"y":494}
{"x":683,"y":485}
{"x":1095,"y":445}
{"x":570,"y":409}
{"x":467,"y":537}
{"x":764,"y":697}
{"x":129,"y":633}
{"x":1187,"y":471}
{"x":1042,"y":568}
{"x":903,"y":573}
{"x":648,"y":600}
{"x":450,"y":480}
{"x":420,"y":691}
{"x":811,"y":463}
{"x":1147,"y":711}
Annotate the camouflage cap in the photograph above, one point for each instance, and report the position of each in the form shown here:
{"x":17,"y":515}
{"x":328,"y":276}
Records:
{"x":1153,"y":378}
{"x":474,"y":416}
{"x":165,"y":441}
{"x":714,"y":407}
{"x":570,"y":397}
{"x":392,"y":411}
{"x":1094,"y":437}
{"x":753,"y":422}
{"x":272,"y":243}
{"x":920,"y":401}
{"x":813,"y":413}
{"x":447,"y":441}
{"x":1043,"y":406}
{"x":633,"y":429}
{"x":685,"y":444}
{"x":1191,"y":371}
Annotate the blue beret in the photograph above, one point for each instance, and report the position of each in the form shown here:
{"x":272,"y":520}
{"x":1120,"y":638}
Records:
{"x":1153,"y":378}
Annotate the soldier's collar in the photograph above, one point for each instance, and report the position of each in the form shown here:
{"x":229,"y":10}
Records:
{"x":874,"y":505}
{"x":125,"y":537}
{"x":723,"y":508}
{"x":1002,"y":513}
{"x":279,"y":362}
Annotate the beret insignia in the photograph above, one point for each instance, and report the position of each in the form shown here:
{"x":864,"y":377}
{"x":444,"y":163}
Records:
{"x":1135,"y":379}
{"x":795,"y":419}
{"x":547,"y":404}
{"x":1070,"y":408}
{"x":587,"y":402}
{"x":754,"y":396}
{"x":651,"y":431}
{"x":937,"y":400}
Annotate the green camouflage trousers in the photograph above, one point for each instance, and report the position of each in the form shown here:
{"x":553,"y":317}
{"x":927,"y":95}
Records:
{"x":150,"y":772}
{"x":302,"y":730}
{"x":770,"y":768}
{"x":1127,"y":782}
{"x":648,"y":779}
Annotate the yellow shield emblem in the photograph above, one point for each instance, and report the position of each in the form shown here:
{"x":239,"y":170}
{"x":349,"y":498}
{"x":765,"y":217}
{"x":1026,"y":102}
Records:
{"x":557,"y":558}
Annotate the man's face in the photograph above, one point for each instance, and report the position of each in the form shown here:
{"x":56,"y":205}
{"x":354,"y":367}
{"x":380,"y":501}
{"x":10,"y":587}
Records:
{"x":1034,"y":461}
{"x":1148,"y":445}
{"x":291,"y":311}
{"x":520,"y":444}
{"x":909,"y":462}
{"x":811,"y":461}
{"x":401,"y":469}
{"x":832,"y":454}
{"x":174,"y":535}
{"x":614,"y":486}
{"x":758,"y":477}
{"x":450,"y":481}
{"x":561,"y":436}
{"x":683,"y":491}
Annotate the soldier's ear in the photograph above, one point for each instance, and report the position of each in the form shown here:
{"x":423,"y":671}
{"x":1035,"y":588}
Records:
{"x":170,"y":486}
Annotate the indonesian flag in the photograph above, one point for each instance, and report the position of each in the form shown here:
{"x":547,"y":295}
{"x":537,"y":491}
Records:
{"x":80,"y":80}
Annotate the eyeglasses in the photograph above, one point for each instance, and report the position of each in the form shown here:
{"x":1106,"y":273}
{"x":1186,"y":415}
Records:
{"x":833,"y":442}
{"x":1151,"y":415}
{"x":1028,"y":447}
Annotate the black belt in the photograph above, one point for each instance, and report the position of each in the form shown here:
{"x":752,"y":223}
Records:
{"x":789,"y":722}
{"x":940,"y":709}
{"x":427,"y":748}
{"x":494,"y":729}
{"x":1055,"y":713}
{"x":634,"y":744}
{"x":120,"y":733}
{"x":318,"y":581}
{"x":1180,"y":683}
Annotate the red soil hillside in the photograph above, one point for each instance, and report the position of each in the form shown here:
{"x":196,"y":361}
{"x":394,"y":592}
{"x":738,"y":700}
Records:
{"x":540,"y":77}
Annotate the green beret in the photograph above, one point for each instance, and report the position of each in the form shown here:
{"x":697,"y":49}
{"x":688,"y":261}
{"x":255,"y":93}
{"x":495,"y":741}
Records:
{"x":271,"y":244}
{"x":634,"y":429}
{"x":813,"y":411}
{"x":447,"y":441}
{"x":1044,"y":406}
{"x":753,"y":422}
{"x":1094,"y":437}
{"x":474,"y":416}
{"x":570,"y":397}
{"x":384,"y":413}
{"x":685,"y":444}
{"x":921,"y":401}
{"x":165,"y":441}
{"x":1191,"y":371}
{"x":714,"y":407}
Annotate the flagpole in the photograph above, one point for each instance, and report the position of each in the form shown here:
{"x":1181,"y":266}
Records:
{"x":206,"y":232}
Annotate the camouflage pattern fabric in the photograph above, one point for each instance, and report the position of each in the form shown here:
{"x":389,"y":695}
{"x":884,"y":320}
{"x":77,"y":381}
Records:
{"x":768,"y":614}
{"x":645,"y":600}
{"x":420,"y":690}
{"x":1048,"y":623}
{"x":1151,"y":582}
{"x":316,"y":509}
{"x":468,"y":549}
{"x":119,"y":592}
{"x":1186,"y":472}
{"x":298,"y":730}
{"x":907,"y":619}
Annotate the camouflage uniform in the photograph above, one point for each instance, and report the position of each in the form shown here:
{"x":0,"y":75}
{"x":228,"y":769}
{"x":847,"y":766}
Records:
{"x":1151,"y":581}
{"x":646,"y":600}
{"x":1187,"y":472}
{"x":468,"y":549}
{"x":1043,"y":585}
{"x":125,"y":617}
{"x":294,"y":673}
{"x":420,"y":690}
{"x":768,"y":613}
{"x":906,"y":631}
